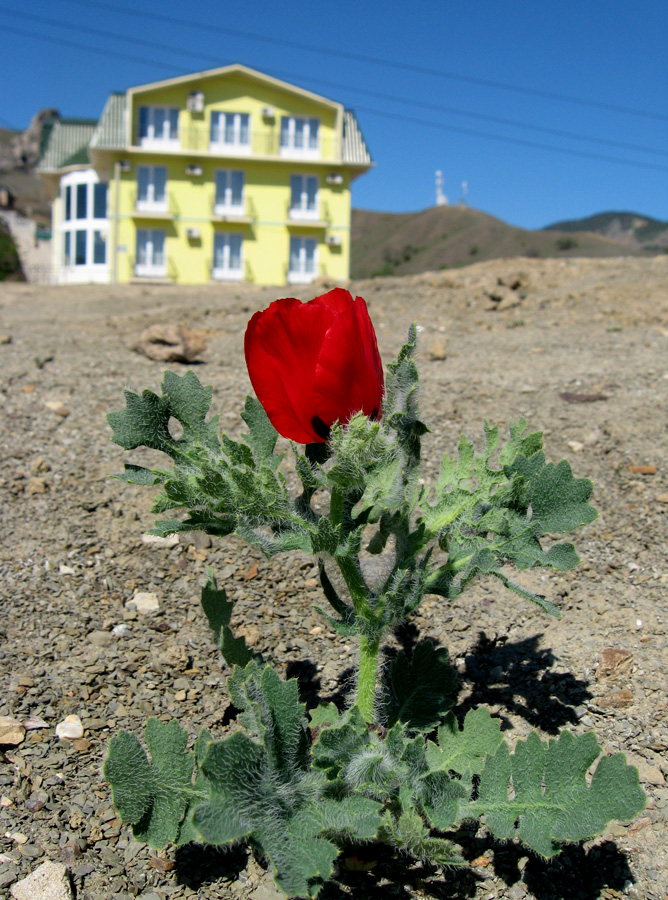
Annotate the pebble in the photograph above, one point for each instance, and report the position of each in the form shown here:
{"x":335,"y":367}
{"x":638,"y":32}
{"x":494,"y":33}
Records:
{"x":100,"y":638}
{"x":48,"y":882}
{"x":155,"y":540}
{"x":145,"y":602}
{"x":70,"y":729}
{"x":12,"y":733}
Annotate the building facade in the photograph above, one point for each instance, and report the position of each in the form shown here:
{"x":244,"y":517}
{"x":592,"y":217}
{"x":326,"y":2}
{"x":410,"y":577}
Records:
{"x":225,"y":175}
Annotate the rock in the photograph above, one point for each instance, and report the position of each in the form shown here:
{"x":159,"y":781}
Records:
{"x":437,"y":350}
{"x":37,"y":486}
{"x":169,"y":342}
{"x":267,"y":891}
{"x":100,"y":638}
{"x":48,"y":882}
{"x":614,"y":661}
{"x":648,"y":773}
{"x":144,"y":602}
{"x":58,"y":408}
{"x":576,"y":446}
{"x":12,"y":733}
{"x":5,"y":338}
{"x":34,"y":722}
{"x":662,"y":498}
{"x":70,"y":729}
{"x":65,"y":570}
{"x":642,"y":470}
{"x":615,"y":700}
{"x":155,"y":540}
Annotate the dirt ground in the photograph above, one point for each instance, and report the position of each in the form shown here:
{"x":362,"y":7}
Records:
{"x":579,"y":347}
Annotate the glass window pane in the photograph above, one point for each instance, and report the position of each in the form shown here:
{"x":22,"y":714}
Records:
{"x":295,"y":191}
{"x":159,"y":119}
{"x":99,"y":247}
{"x":143,"y":121}
{"x":243,"y":130}
{"x":158,"y":248}
{"x":299,"y":133}
{"x":67,"y":255}
{"x":285,"y":131}
{"x":237,"y":180}
{"x":142,"y":242}
{"x":159,"y":182}
{"x":215,"y":128}
{"x":221,"y":186}
{"x":68,"y":202}
{"x":235,"y":251}
{"x":80,"y":249}
{"x":295,"y":246}
{"x":143,"y":177}
{"x":313,"y":134}
{"x":82,"y":195}
{"x":100,"y":201}
{"x":218,"y":250}
{"x":311,"y":191}
{"x":310,"y":256}
{"x":173,"y":123}
{"x":229,"y":128}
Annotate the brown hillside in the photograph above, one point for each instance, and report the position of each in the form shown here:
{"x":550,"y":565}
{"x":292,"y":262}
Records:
{"x":451,"y":236}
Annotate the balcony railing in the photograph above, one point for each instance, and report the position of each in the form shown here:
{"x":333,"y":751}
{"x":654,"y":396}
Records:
{"x":243,"y":214}
{"x":155,"y":209}
{"x":320,"y":217}
{"x":261,"y":142}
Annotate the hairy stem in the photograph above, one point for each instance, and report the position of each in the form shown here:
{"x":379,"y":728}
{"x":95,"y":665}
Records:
{"x":366,"y":677}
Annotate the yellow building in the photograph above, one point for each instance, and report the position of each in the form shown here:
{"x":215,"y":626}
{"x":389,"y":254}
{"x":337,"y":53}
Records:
{"x":225,"y":175}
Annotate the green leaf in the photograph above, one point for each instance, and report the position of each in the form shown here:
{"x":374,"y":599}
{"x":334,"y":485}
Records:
{"x":262,"y":435}
{"x":422,"y":690}
{"x":408,"y":833}
{"x":140,"y":475}
{"x":152,"y":796}
{"x":552,"y":801}
{"x":465,"y":751}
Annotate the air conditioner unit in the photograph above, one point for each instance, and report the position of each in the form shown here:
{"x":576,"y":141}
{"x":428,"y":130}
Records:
{"x":334,"y":178}
{"x":192,"y":234}
{"x":195,"y":102}
{"x":268,"y":112}
{"x":193,"y":170}
{"x":332,"y":240}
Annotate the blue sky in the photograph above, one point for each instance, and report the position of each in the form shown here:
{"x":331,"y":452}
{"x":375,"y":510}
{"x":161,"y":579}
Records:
{"x":435,"y":85}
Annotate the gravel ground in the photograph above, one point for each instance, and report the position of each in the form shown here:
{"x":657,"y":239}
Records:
{"x":578,"y":346}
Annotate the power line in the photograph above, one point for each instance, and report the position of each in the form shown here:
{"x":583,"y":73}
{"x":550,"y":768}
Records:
{"x":508,"y":140}
{"x":339,"y":86}
{"x":387,"y":115}
{"x":373,"y":60}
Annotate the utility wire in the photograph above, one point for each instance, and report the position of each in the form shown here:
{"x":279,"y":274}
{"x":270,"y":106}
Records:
{"x":209,"y":27}
{"x":371,"y":111}
{"x":339,"y":86}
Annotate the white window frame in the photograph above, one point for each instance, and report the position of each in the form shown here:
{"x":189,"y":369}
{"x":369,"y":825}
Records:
{"x":291,"y":144}
{"x":225,"y":272}
{"x":88,"y":271}
{"x":151,"y":267}
{"x":153,"y":138}
{"x":301,"y":210}
{"x":303,"y":274}
{"x":224,"y":205}
{"x":236,"y":146}
{"x":149,"y":203}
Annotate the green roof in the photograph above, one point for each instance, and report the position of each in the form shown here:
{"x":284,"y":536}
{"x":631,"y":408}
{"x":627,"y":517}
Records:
{"x":354,"y":149}
{"x":67,"y":144}
{"x":110,"y":131}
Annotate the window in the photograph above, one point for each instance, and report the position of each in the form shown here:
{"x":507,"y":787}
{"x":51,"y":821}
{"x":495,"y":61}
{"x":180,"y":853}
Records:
{"x":80,"y":248}
{"x":229,"y":190}
{"x":68,"y":202}
{"x":99,"y":247}
{"x":150,"y":252}
{"x":303,"y":197}
{"x":67,"y":248}
{"x":227,"y":256}
{"x":82,"y":196}
{"x":151,"y":188}
{"x":231,"y":130}
{"x":303,"y":263}
{"x":158,"y":125}
{"x":100,"y":200}
{"x":299,"y":136}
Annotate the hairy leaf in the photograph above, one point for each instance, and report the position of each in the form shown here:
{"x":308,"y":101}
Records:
{"x":422,"y":690}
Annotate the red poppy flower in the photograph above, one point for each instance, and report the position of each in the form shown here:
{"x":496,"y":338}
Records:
{"x":314,"y":363}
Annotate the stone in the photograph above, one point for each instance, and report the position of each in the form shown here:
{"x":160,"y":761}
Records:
{"x":37,"y":486}
{"x":5,"y":338}
{"x":100,"y":638}
{"x":145,"y":602}
{"x":437,"y":350}
{"x":12,"y":733}
{"x":648,"y":773}
{"x":48,"y":882}
{"x":615,"y":700}
{"x":614,"y":661}
{"x":267,"y":891}
{"x":169,"y":342}
{"x":662,"y":498}
{"x":57,"y":407}
{"x":155,"y":540}
{"x":642,"y":470}
{"x":70,"y":729}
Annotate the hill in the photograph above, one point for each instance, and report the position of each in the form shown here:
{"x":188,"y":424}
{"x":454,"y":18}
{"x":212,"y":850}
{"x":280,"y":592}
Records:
{"x":442,"y":237}
{"x":625,"y":227}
